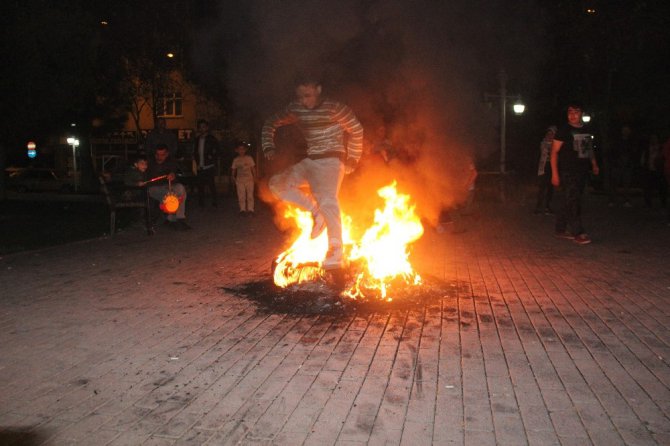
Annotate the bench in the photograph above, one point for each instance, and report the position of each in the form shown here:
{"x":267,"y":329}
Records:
{"x":126,"y":197}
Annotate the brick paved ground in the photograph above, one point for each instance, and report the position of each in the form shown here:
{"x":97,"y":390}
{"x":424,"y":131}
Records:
{"x":527,"y":340}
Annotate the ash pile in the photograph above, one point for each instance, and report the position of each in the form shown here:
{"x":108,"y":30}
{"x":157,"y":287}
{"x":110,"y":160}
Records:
{"x":322,"y":297}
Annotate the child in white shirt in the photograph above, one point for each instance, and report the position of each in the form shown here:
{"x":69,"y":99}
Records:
{"x":244,"y":173}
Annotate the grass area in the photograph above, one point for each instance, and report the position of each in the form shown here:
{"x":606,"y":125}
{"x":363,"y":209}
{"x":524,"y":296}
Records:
{"x":26,"y":225}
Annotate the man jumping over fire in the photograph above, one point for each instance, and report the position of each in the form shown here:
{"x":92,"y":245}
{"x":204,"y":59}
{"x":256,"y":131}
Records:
{"x":323,"y":123}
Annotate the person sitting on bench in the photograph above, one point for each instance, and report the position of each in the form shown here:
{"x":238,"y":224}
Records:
{"x":162,"y":164}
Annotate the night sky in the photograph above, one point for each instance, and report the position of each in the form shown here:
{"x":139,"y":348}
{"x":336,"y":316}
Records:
{"x":421,"y":68}
{"x":393,"y":61}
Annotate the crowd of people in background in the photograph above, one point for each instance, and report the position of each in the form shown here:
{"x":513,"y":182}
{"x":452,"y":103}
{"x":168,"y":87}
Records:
{"x":165,"y":167}
{"x":569,"y":155}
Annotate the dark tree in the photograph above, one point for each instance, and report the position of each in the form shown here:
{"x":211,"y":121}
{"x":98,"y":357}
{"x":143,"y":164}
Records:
{"x":89,"y":63}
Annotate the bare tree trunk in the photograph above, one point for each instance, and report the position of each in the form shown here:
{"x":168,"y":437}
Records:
{"x":137,"y":118}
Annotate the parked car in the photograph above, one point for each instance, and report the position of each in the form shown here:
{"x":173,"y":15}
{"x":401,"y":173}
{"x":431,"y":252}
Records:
{"x":38,"y":180}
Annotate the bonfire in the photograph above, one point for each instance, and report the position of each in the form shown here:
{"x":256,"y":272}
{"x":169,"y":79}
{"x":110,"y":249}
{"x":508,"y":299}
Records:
{"x":378,"y":261}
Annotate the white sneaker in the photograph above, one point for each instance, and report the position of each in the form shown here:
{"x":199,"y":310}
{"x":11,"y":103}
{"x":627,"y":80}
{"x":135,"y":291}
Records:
{"x":582,"y":239}
{"x":334,"y":258}
{"x":318,"y":224}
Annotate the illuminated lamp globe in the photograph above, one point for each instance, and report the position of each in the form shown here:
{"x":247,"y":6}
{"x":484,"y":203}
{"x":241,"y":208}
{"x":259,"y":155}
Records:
{"x":170,"y":204}
{"x":519,"y":108}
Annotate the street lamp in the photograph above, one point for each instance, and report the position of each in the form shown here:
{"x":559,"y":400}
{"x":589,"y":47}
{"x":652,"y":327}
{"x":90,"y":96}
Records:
{"x":74,"y":142}
{"x":518,"y":107}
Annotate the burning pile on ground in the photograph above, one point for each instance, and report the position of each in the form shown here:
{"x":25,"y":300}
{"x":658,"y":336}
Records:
{"x":378,"y":261}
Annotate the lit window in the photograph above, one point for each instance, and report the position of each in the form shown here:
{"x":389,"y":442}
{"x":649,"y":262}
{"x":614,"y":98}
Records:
{"x":171,"y":106}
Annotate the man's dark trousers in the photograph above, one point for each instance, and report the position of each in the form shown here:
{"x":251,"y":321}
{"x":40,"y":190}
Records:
{"x":569,"y":200}
{"x":206,"y":179}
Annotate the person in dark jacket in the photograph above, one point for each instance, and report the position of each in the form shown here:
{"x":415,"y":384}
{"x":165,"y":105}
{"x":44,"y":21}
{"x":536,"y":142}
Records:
{"x":205,"y":156}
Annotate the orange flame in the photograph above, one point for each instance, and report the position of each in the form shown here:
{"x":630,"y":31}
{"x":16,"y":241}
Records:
{"x":379,"y":260}
{"x":383,"y":247}
{"x":302,"y":261}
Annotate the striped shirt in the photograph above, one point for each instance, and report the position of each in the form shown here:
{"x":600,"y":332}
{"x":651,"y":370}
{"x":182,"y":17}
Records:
{"x":323,"y":128}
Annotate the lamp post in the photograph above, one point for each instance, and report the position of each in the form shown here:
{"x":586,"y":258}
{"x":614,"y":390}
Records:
{"x":74,"y":142}
{"x":518,"y":108}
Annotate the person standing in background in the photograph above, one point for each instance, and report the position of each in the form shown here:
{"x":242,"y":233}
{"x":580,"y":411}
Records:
{"x":244,"y":174}
{"x":205,"y":155}
{"x":622,"y":157}
{"x":653,"y":178}
{"x":571,"y":157}
{"x":545,"y":191}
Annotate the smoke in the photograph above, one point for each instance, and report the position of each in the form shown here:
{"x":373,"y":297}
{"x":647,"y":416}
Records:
{"x":415,"y":71}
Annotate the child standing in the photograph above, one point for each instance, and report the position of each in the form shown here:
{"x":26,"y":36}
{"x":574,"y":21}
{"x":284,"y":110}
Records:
{"x":244,"y":173}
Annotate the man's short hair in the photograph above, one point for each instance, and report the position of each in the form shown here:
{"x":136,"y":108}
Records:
{"x":202,"y":121}
{"x":162,"y":147}
{"x":574,"y":104}
{"x":139,"y":158}
{"x":306,"y":79}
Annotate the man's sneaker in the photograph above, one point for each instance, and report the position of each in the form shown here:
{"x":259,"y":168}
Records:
{"x":318,"y":224}
{"x":565,"y":235}
{"x":582,"y":239}
{"x":334,"y":258}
